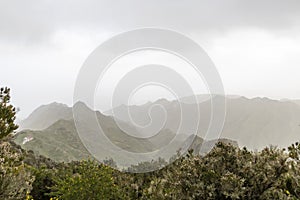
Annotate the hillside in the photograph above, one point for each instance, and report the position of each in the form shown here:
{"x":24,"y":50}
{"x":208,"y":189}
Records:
{"x":45,"y":115}
{"x":261,"y":122}
{"x":254,"y":123}
{"x":61,"y":141}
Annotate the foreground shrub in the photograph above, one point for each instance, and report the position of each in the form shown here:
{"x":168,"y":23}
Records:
{"x":15,"y":176}
{"x":86,"y":180}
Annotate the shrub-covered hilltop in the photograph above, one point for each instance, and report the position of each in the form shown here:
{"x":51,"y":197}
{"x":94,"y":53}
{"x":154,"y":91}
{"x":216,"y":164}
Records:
{"x":226,"y":172}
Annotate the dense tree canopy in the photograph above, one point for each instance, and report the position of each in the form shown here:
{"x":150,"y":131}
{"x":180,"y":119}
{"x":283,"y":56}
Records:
{"x":227,"y":172}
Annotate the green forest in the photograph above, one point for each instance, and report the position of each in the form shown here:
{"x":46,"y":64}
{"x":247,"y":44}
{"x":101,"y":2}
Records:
{"x":226,"y":172}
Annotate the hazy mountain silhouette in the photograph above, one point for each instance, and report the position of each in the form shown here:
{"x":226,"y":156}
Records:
{"x":259,"y":122}
{"x":254,"y":123}
{"x":46,"y":115}
{"x":61,"y":142}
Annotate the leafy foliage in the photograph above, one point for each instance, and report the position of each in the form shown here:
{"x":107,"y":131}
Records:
{"x":7,"y":113}
{"x":227,"y":172}
{"x":15,"y":176}
{"x":86,"y":180}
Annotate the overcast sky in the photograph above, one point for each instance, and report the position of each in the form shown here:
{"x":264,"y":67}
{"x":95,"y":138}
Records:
{"x":255,"y":44}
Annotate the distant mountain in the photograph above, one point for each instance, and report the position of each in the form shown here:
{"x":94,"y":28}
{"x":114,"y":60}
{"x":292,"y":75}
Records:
{"x":254,"y":123}
{"x":196,"y":99}
{"x":165,"y":115}
{"x":61,"y":142}
{"x":297,"y":102}
{"x":46,"y":115}
{"x":208,"y":145}
{"x":200,"y":146}
{"x":194,"y":142}
{"x":259,"y":122}
{"x":204,"y":97}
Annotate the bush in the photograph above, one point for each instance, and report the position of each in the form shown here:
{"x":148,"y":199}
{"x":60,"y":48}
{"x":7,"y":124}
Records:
{"x":85,"y":180}
{"x":15,"y":176}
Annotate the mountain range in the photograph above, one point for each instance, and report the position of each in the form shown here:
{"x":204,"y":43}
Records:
{"x":61,"y":141}
{"x":255,"y":123}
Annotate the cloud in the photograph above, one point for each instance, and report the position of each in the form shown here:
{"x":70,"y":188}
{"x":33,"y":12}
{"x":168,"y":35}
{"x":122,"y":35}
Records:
{"x":38,"y":20}
{"x":44,"y":42}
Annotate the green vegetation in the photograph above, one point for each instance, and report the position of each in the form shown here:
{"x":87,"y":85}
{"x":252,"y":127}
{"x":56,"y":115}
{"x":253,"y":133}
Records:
{"x":15,"y":176}
{"x":60,"y":142}
{"x":226,"y":172}
{"x":86,"y":180}
{"x":7,"y":113}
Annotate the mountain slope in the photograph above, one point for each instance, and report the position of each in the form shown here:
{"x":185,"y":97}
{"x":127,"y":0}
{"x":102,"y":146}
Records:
{"x":254,"y":123}
{"x":260,"y":122}
{"x":46,"y":115}
{"x":61,"y":141}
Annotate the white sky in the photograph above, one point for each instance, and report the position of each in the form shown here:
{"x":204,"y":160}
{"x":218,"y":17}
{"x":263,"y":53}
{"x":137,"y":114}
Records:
{"x":255,"y":45}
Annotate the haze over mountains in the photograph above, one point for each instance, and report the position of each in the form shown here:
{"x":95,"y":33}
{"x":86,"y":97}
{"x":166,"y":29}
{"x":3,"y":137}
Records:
{"x":61,"y":142}
{"x":45,"y":115}
{"x":255,"y":123}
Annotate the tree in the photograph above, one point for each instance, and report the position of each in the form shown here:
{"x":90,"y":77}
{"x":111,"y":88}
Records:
{"x":86,"y":180}
{"x":7,"y":114}
{"x":15,"y":176}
